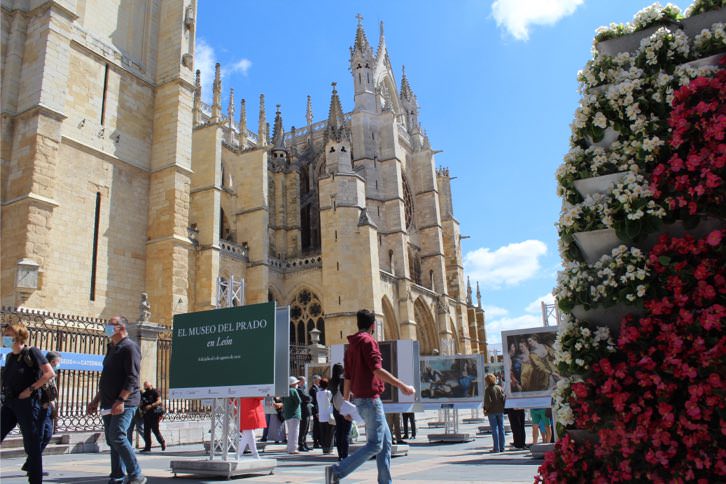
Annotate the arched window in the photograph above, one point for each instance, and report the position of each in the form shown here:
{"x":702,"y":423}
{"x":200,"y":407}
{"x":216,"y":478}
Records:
{"x":306,"y":314}
{"x":407,"y":203}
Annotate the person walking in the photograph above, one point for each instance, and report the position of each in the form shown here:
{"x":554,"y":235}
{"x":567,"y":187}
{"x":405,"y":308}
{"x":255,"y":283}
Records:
{"x":316,"y":421}
{"x":153,"y":411}
{"x":325,"y":406}
{"x":118,"y":394}
{"x":342,"y":425}
{"x":494,"y":409}
{"x":49,"y":400}
{"x":409,"y":417}
{"x":306,"y":411}
{"x":291,"y":413}
{"x":49,"y":412}
{"x":26,"y":371}
{"x":516,"y":421}
{"x":365,"y":378}
{"x":251,"y":418}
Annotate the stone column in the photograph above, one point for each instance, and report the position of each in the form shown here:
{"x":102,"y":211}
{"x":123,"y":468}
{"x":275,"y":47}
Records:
{"x":146,"y":335}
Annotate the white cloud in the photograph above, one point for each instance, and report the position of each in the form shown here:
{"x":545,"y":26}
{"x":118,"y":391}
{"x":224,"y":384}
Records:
{"x":506,"y":266}
{"x":495,"y":311}
{"x":205,"y":59}
{"x":536,"y":305}
{"x":242,"y":65}
{"x":497,"y":325}
{"x":518,"y":16}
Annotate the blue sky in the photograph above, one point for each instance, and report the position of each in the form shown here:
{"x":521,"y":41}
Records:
{"x":496,"y":84}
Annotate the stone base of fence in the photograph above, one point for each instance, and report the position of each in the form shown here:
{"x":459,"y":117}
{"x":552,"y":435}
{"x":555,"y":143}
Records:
{"x":175,"y":433}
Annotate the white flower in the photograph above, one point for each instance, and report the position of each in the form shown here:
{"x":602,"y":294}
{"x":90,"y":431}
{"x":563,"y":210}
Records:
{"x":600,"y":120}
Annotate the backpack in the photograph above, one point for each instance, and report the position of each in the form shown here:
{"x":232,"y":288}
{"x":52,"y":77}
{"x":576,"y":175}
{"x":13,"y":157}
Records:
{"x":49,"y":390}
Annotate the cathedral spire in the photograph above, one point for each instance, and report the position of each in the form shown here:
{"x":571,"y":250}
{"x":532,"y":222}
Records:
{"x":261,"y":130}
{"x":468,"y":291}
{"x":381,"y":43}
{"x":278,"y":133}
{"x":242,"y":125}
{"x":336,"y":129}
{"x":197,"y":107}
{"x":361,"y":41}
{"x":217,"y":94}
{"x":230,"y":109}
{"x":478,"y":295}
{"x":309,"y":111}
{"x":406,"y":92}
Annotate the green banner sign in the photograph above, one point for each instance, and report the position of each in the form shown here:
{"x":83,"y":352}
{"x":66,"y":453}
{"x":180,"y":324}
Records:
{"x":224,"y":353}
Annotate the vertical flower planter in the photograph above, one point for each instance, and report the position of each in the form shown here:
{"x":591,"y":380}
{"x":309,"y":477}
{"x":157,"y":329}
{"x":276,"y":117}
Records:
{"x":711,"y":60}
{"x":607,"y":316}
{"x":598,"y":184}
{"x":629,"y":43}
{"x":694,"y":25}
{"x":596,"y":243}
{"x":608,"y":138}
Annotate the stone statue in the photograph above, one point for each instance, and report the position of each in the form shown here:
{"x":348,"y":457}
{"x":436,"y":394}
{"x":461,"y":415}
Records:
{"x":144,"y":308}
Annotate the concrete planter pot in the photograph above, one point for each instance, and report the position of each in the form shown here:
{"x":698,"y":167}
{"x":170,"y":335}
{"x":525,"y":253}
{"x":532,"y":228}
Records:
{"x":598,"y":184}
{"x":694,"y":25}
{"x":711,"y":60}
{"x":706,"y":225}
{"x":608,"y":138}
{"x":596,"y":243}
{"x":607,"y":316}
{"x":630,"y":43}
{"x":582,"y":436}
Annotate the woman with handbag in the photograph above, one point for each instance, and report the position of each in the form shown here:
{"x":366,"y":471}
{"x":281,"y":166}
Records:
{"x":26,"y":370}
{"x":342,"y":425}
{"x":153,"y":411}
{"x":325,"y":416}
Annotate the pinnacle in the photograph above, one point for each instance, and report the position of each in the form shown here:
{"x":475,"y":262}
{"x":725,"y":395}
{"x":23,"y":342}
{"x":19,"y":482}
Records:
{"x":336,"y":120}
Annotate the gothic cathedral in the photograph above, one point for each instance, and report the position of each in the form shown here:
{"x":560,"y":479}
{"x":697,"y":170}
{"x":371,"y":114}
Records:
{"x":118,"y":179}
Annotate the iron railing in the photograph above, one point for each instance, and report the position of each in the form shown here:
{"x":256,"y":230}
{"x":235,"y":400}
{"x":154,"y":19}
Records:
{"x":176,"y":409}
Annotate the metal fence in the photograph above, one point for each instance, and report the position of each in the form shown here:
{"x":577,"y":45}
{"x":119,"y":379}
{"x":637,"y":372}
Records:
{"x":299,"y":356}
{"x":177,"y":409}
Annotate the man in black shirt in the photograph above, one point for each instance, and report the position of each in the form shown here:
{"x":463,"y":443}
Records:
{"x":118,"y":394}
{"x":26,"y":370}
{"x":316,"y":423}
{"x":153,"y":411}
{"x":306,"y":407}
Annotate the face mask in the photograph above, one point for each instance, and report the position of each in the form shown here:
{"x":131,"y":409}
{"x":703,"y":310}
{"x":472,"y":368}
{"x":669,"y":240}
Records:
{"x":109,"y":330}
{"x":56,"y":367}
{"x":8,"y":341}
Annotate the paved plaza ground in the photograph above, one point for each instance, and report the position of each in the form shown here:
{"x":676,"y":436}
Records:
{"x":426,"y":463}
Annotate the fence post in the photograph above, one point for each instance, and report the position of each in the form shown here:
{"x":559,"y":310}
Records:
{"x":146,"y":336}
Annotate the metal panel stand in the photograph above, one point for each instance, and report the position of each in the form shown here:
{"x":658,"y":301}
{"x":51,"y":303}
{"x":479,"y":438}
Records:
{"x":451,"y":427}
{"x":475,"y":417}
{"x":225,"y":418}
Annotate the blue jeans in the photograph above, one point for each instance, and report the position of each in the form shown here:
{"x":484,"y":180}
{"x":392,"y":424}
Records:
{"x":46,"y":427}
{"x":496,"y":422}
{"x":119,"y":430}
{"x":378,"y":442}
{"x":25,"y":413}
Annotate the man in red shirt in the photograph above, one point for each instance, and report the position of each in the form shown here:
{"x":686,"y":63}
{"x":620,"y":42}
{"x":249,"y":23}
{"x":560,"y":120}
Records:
{"x":365,"y":379}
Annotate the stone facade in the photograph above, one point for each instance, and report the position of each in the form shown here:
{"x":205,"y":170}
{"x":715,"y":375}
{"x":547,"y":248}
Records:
{"x":116,"y":179}
{"x":96,"y":153}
